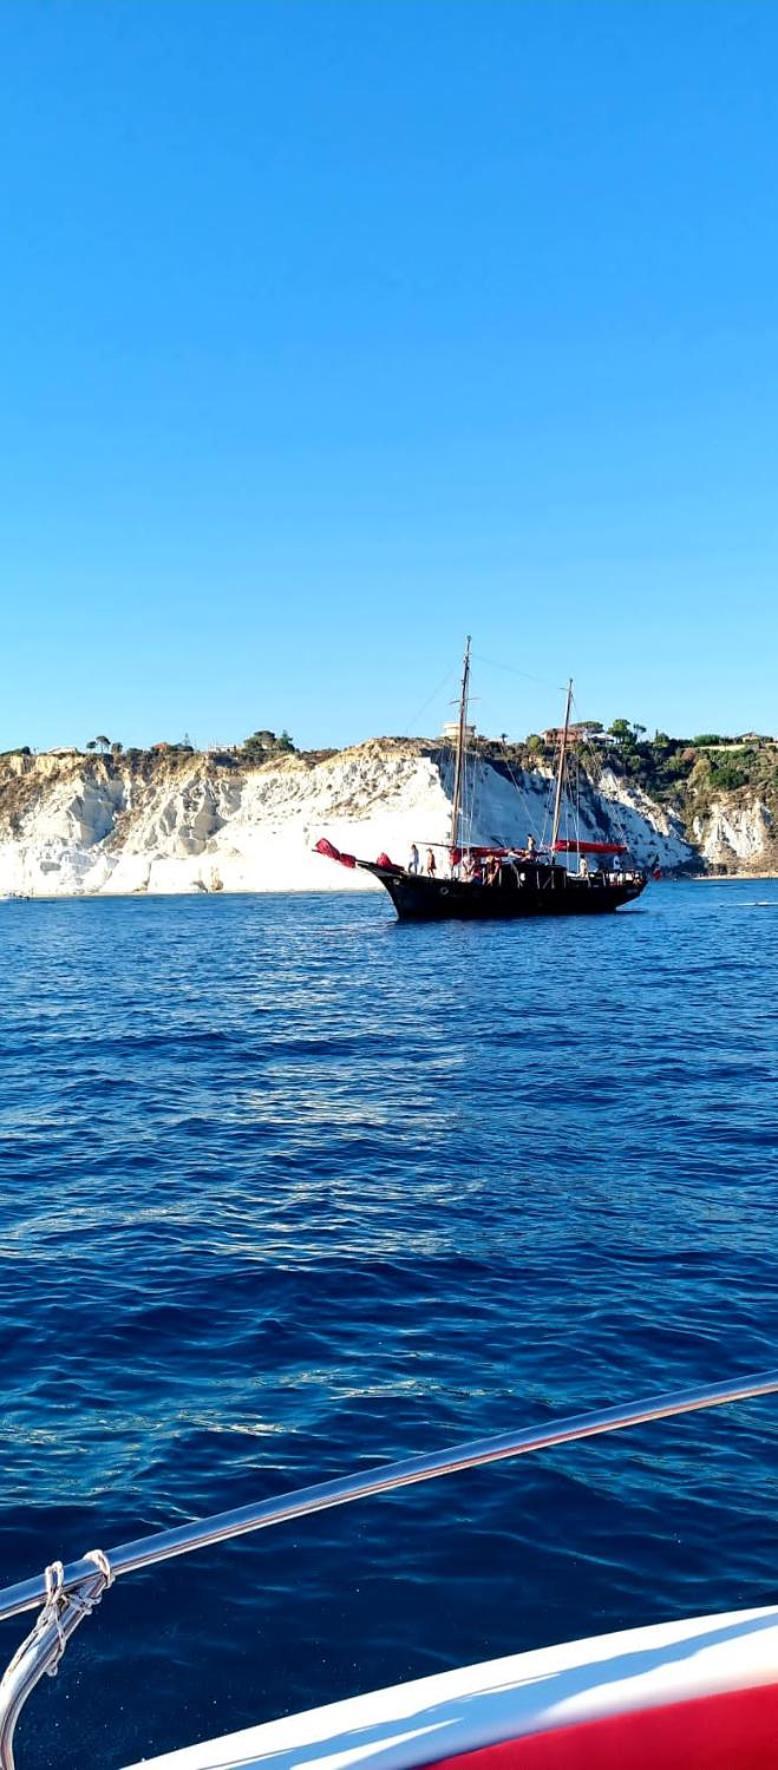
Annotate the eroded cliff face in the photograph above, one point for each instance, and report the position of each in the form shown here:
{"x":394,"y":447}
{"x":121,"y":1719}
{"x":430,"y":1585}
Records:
{"x":737,"y":834}
{"x":72,"y":825}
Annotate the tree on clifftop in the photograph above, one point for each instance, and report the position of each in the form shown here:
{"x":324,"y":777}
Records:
{"x":266,"y":744}
{"x":625,"y":731}
{"x":260,"y":743}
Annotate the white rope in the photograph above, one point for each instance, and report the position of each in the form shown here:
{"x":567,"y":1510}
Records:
{"x":54,"y":1580}
{"x":104,"y":1567}
{"x":57,"y":1601}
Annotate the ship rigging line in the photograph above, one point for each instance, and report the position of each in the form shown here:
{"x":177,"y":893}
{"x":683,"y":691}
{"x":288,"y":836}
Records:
{"x":444,"y":682}
{"x":511,"y":670}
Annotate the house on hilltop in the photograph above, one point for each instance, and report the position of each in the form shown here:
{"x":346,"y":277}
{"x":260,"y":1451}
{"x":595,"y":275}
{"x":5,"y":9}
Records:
{"x":589,"y":731}
{"x":450,"y":732}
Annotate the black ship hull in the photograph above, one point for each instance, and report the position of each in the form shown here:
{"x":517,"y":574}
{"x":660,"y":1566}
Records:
{"x":515,"y":896}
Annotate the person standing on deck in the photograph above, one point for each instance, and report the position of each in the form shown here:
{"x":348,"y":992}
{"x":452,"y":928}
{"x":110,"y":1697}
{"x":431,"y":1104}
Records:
{"x":430,"y":866}
{"x":413,"y":864}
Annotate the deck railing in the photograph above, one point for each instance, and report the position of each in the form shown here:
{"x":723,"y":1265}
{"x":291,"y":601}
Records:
{"x":68,"y":1594}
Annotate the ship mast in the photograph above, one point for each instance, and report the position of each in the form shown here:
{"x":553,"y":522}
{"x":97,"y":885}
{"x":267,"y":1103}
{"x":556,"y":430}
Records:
{"x":460,"y":760}
{"x":560,"y":779}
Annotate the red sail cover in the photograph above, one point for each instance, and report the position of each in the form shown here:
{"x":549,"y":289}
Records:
{"x":333,"y":853}
{"x":564,"y":847}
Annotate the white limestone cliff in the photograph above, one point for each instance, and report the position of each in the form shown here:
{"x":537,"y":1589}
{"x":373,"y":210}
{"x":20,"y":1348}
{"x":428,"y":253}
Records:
{"x":76,"y":825}
{"x":732,"y":834}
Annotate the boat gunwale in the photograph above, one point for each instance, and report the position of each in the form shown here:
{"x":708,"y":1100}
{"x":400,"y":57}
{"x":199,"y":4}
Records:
{"x":203,"y":1533}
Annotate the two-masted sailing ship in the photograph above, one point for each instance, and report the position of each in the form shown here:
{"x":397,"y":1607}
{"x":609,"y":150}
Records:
{"x":477,"y":883}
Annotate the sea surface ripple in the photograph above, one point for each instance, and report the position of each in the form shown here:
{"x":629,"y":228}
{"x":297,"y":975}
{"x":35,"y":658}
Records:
{"x":289,"y":1189}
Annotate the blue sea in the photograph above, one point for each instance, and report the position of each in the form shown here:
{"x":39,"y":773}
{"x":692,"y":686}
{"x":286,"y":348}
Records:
{"x":289,"y":1189}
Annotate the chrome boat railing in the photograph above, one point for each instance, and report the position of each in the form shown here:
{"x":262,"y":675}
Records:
{"x":69,"y":1594}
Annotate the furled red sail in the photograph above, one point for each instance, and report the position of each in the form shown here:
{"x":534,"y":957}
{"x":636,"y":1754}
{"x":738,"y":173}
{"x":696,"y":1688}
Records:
{"x":332,"y":853}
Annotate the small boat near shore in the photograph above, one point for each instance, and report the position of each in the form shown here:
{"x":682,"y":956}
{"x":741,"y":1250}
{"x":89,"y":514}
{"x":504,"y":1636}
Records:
{"x":477,"y":882}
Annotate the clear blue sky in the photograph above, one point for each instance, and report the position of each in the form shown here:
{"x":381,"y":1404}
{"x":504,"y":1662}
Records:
{"x":334,"y":330}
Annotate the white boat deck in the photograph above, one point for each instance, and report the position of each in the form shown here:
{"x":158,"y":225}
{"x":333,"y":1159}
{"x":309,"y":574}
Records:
{"x":462,"y":1711}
